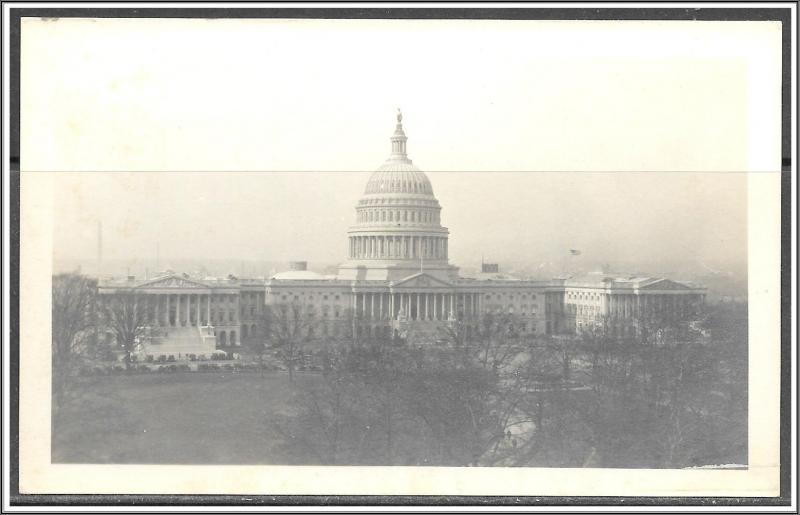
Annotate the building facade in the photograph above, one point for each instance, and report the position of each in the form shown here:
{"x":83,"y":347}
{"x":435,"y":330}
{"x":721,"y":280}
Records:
{"x":398,"y":282}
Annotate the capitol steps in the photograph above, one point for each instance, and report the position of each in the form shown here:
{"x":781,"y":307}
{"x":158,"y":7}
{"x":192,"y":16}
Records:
{"x":180,"y":341}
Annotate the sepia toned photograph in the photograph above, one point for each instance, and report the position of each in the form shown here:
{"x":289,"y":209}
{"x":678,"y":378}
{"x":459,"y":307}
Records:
{"x":474,"y":252}
{"x":627,"y":351}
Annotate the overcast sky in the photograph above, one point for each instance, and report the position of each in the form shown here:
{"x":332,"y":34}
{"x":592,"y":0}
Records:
{"x":319,"y":97}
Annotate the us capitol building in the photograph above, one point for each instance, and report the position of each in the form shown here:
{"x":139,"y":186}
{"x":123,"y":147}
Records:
{"x":397,"y":282}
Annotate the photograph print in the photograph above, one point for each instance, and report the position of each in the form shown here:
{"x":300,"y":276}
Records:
{"x":403,"y":243}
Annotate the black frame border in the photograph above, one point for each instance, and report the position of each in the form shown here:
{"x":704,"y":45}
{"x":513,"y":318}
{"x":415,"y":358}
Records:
{"x":726,"y":13}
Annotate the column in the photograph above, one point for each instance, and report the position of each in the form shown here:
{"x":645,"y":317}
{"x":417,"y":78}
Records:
{"x":197,"y":310}
{"x":380,"y":306}
{"x":208,"y":309}
{"x":372,"y":306}
{"x":391,"y":301}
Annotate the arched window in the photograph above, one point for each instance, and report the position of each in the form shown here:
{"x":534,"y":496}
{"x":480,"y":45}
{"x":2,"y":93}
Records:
{"x":223,"y":340}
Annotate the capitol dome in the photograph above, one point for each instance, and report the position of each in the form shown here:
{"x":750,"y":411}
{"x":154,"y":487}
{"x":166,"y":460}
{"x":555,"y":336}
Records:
{"x":398,"y":224}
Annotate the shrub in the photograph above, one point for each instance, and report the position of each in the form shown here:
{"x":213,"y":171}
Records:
{"x":162,"y":358}
{"x":192,"y":357}
{"x":171,"y":358}
{"x":183,"y":367}
{"x":149,"y":358}
{"x":202,"y":357}
{"x":172,"y":368}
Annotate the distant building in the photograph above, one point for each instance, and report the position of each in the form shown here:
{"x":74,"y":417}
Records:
{"x":398,"y":281}
{"x":624,"y":303}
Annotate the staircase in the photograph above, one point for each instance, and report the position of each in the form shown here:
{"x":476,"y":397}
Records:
{"x":180,"y":341}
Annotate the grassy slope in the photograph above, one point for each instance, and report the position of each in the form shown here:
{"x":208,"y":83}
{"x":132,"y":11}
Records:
{"x":212,"y":418}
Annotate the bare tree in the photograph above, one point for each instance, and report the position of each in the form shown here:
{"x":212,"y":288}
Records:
{"x":287,"y":326}
{"x":126,"y":314}
{"x":73,"y":319}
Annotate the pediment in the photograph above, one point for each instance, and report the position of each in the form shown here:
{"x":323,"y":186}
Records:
{"x":174,"y":281}
{"x":422,"y":280}
{"x":665,"y":284}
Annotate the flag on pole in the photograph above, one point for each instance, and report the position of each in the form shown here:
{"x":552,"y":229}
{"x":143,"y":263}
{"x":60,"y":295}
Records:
{"x":575,"y":252}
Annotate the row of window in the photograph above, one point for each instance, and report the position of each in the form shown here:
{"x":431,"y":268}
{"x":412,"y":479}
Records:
{"x":367,"y":216}
{"x":523,"y":296}
{"x":497,"y":309}
{"x":583,"y":295}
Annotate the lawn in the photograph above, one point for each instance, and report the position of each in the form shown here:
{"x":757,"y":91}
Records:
{"x":210,"y":418}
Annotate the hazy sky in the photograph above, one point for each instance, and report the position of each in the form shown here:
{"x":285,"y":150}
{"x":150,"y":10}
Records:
{"x":319,"y":97}
{"x":505,"y":216}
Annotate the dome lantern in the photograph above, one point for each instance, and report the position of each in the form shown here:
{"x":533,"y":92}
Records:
{"x":399,"y":140}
